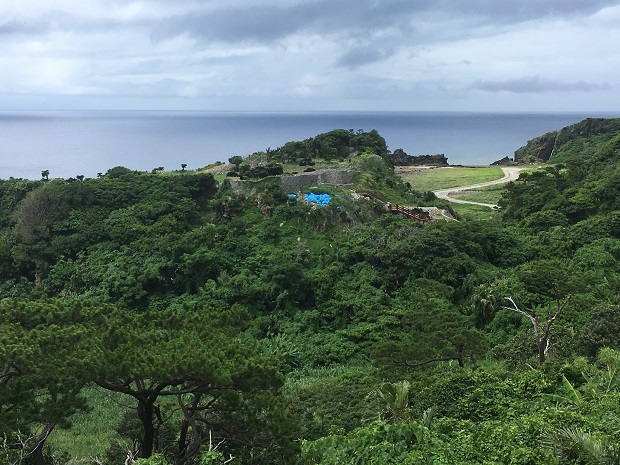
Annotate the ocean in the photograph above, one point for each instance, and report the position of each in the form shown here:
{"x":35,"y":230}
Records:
{"x":71,"y":143}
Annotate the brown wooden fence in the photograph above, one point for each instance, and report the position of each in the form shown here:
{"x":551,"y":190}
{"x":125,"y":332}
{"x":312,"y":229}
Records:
{"x":372,"y":195}
{"x":407,"y":212}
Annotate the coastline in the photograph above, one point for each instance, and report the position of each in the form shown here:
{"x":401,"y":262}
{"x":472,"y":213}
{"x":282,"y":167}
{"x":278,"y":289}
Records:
{"x":84,"y":142}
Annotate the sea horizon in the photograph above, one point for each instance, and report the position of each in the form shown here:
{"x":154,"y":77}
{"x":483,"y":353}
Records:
{"x":86,"y":142}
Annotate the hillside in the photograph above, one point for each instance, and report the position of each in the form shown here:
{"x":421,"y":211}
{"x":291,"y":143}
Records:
{"x":578,"y":140}
{"x":185,"y":319}
{"x":584,"y":186}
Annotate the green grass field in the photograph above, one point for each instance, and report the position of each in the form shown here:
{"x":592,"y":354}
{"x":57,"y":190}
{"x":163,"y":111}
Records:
{"x":442,"y":178}
{"x":490,"y":194}
{"x":467,"y":212}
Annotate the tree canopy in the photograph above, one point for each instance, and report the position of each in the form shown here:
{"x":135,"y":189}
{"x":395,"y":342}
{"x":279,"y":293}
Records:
{"x":229,"y":322}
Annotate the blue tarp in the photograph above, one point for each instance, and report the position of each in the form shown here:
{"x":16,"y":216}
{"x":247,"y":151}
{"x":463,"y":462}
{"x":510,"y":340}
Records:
{"x":320,"y":199}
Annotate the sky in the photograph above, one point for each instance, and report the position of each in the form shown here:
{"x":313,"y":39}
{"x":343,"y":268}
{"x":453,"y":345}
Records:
{"x":311,"y":55}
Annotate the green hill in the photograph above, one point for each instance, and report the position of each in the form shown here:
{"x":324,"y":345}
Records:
{"x":578,"y":140}
{"x":583,"y":186}
{"x":186,"y":320}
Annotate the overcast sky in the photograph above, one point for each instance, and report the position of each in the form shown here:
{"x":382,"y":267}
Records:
{"x":293,"y":55}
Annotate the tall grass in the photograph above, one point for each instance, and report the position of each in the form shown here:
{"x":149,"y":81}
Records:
{"x":310,"y":376}
{"x":91,"y":433}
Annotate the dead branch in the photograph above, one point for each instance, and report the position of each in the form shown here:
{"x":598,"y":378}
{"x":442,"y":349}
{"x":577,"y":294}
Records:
{"x":543,"y":341}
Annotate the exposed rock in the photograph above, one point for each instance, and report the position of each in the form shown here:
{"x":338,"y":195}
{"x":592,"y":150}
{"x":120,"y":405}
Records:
{"x":546,"y":146}
{"x":347,"y":152}
{"x":538,"y":149}
{"x":400,"y":158}
{"x":505,"y":162}
{"x":433,"y":212}
{"x":291,"y":183}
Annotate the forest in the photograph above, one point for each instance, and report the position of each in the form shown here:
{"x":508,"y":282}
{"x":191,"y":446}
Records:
{"x":176,"y":318}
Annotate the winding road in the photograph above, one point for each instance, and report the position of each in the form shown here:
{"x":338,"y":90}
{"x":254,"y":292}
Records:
{"x":510,"y":174}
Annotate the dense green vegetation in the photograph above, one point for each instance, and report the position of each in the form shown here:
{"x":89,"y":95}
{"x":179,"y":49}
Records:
{"x":171,"y":319}
{"x":332,"y":149}
{"x":574,"y":142}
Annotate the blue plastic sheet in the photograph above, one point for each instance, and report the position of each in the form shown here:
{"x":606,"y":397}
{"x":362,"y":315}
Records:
{"x":320,"y":199}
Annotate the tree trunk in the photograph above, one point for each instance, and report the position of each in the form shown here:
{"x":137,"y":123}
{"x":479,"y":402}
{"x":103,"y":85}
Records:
{"x":38,"y":274}
{"x":542,"y":356}
{"x":37,"y":452}
{"x":189,"y":438}
{"x":145,"y":414}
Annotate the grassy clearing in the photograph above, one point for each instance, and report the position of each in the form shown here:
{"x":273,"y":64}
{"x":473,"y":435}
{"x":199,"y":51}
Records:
{"x":467,"y":212}
{"x":443,"y":178}
{"x":220,"y":177}
{"x":91,"y":433}
{"x":309,"y":376}
{"x":490,"y":194}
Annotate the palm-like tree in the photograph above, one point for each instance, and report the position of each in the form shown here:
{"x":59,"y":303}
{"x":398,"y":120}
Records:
{"x":45,"y":174}
{"x":395,"y":400}
{"x":183,"y":166}
{"x":577,"y":444}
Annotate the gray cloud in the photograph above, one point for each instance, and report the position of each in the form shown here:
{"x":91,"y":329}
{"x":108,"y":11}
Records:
{"x":526,"y":10}
{"x":271,"y":22}
{"x":228,"y":21}
{"x":330,"y":52}
{"x":537,"y":85}
{"x":21,"y":27}
{"x":360,"y":56}
{"x":235,"y":25}
{"x":397,"y":23}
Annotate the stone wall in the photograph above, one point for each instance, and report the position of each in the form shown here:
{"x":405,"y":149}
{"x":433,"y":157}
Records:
{"x":292,"y":183}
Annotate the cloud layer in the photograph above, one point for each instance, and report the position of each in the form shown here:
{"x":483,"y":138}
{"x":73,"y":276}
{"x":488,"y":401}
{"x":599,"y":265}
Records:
{"x":311,"y":54}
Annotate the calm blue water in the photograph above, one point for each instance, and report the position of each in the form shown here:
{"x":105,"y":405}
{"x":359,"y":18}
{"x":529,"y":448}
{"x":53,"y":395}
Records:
{"x":71,"y":143}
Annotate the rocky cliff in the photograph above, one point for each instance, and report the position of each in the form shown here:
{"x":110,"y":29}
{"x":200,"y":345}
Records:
{"x":505,"y":162}
{"x":400,"y":158}
{"x":567,"y":142}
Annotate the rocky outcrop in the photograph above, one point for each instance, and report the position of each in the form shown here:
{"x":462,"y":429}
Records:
{"x":400,"y":158}
{"x":587,"y":128}
{"x":543,"y":148}
{"x":505,"y":162}
{"x":537,"y":150}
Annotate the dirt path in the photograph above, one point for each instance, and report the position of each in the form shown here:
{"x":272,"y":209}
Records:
{"x":510,"y":174}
